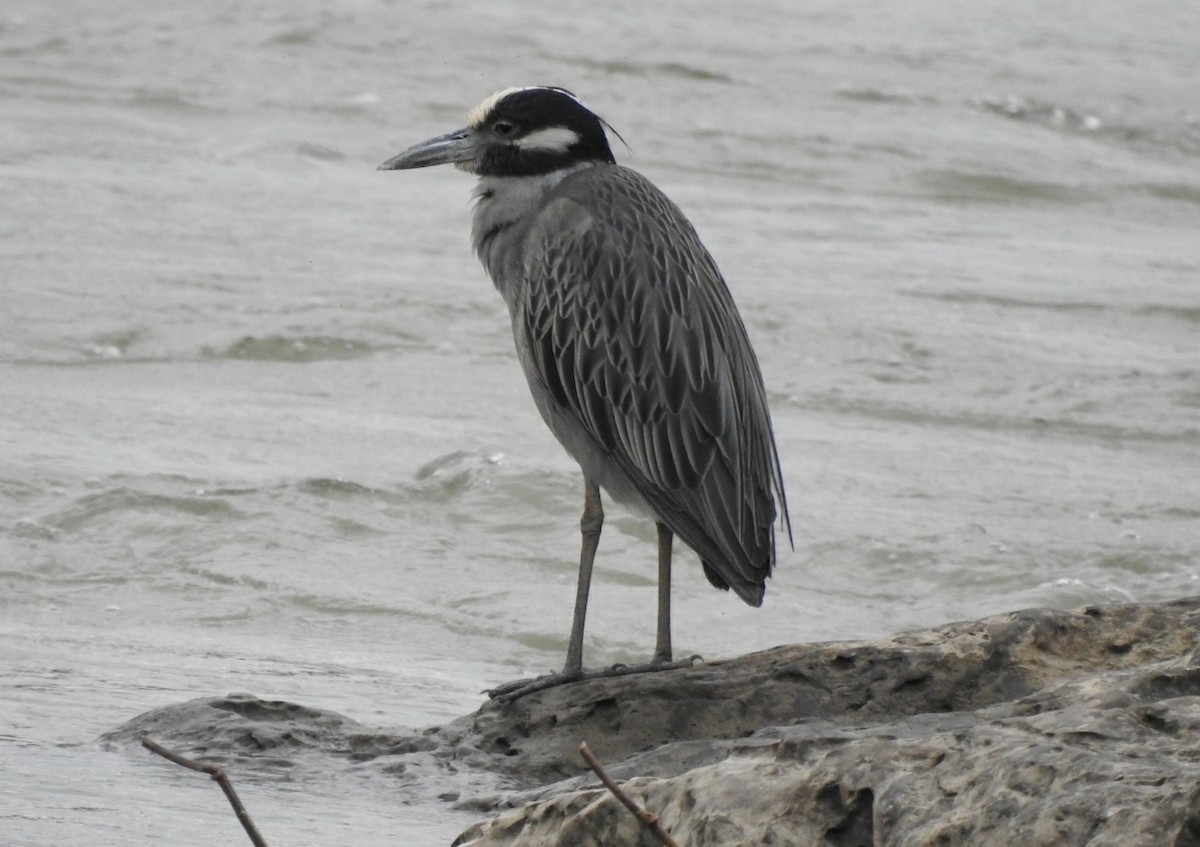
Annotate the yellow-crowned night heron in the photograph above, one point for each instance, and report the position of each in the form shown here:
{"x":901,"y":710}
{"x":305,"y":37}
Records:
{"x":635,"y":353}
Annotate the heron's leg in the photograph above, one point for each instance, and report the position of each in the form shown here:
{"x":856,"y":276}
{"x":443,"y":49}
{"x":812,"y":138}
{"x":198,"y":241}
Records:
{"x":662,"y":646}
{"x":589,"y":527}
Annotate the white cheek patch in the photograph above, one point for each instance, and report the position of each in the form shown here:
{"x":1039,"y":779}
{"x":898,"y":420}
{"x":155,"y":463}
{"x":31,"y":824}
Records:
{"x":554,"y":139}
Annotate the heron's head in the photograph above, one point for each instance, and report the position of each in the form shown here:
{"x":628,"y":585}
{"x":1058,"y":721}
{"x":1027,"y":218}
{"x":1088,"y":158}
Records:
{"x":517,"y":132}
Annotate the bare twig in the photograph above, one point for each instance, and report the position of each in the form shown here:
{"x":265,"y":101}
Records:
{"x":648,"y":818}
{"x":221,"y":779}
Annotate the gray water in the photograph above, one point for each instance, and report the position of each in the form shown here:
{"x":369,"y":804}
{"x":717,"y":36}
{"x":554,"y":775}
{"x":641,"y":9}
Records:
{"x":263,"y":430}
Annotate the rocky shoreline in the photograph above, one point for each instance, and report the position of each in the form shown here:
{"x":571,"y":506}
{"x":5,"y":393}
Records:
{"x":1039,"y":727}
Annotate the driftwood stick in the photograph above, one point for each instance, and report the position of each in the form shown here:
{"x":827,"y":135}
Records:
{"x":648,"y":818}
{"x":221,"y":779}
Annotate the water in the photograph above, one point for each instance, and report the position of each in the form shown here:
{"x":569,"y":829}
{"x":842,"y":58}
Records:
{"x":263,"y":430}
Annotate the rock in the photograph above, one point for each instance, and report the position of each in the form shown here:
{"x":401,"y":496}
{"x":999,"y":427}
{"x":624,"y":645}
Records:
{"x":1040,"y":727}
{"x":1037,"y":728}
{"x":1110,"y":759}
{"x":238,"y":725}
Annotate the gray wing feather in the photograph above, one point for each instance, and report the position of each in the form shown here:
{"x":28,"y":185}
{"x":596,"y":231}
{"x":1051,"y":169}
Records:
{"x":632,"y":331}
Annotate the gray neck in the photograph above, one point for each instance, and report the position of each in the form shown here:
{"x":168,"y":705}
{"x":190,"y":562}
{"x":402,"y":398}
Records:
{"x":503,"y":209}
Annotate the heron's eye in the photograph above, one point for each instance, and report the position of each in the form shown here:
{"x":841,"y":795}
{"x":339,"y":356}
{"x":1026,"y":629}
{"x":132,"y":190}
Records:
{"x":504,"y":128}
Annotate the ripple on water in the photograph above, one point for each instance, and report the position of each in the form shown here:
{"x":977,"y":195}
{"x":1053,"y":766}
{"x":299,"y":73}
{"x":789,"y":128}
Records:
{"x":1180,"y":136}
{"x":100,"y":507}
{"x":958,"y":186}
{"x":280,"y":348}
{"x":451,"y":474}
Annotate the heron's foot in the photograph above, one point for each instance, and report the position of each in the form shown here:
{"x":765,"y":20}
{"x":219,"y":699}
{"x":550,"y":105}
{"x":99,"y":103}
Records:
{"x":656,"y":664}
{"x":510,"y":691}
{"x":520,"y":687}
